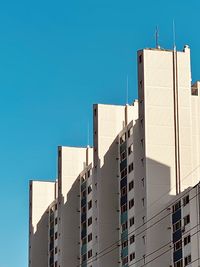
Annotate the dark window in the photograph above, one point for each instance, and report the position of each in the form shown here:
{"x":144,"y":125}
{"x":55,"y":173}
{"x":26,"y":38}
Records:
{"x":187,"y":240}
{"x":130,"y":149}
{"x":89,"y":221}
{"x":131,"y":185}
{"x":124,"y":208}
{"x":90,"y":204}
{"x":131,"y":221}
{"x":186,"y":219}
{"x":132,"y":256}
{"x":89,"y":254}
{"x":178,"y":245}
{"x":89,"y":237}
{"x":187,"y":260}
{"x":89,"y":189}
{"x":124,"y":226}
{"x":177,"y":206}
{"x":131,"y":203}
{"x":186,"y":200}
{"x":132,"y":239}
{"x":130,"y":167}
{"x":124,"y":244}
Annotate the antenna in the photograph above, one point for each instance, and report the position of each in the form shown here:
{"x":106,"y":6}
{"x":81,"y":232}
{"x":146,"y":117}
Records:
{"x":127,"y":85}
{"x":174,"y":36}
{"x":157,"y":37}
{"x":88,"y":135}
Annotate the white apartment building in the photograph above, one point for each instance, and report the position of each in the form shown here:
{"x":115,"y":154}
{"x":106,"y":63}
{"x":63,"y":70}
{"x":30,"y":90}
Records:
{"x":110,"y":204}
{"x":184,"y":228}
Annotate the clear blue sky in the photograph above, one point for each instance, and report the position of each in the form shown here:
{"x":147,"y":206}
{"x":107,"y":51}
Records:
{"x":57,"y":58}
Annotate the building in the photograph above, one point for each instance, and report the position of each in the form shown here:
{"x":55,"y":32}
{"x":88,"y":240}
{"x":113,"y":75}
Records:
{"x":184,"y":228}
{"x":110,"y":203}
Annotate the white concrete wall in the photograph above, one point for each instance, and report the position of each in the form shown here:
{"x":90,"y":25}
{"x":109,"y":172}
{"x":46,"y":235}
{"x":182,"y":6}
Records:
{"x":41,"y":196}
{"x":108,"y":122}
{"x":71,"y":161}
{"x":157,"y":110}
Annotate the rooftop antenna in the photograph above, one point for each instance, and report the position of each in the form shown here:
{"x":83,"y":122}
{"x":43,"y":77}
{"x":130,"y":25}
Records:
{"x":88,"y":135}
{"x":127,"y":85}
{"x":157,"y":38}
{"x":174,"y":36}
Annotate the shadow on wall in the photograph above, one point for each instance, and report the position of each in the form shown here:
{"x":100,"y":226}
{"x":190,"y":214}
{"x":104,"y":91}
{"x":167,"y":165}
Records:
{"x":39,"y":243}
{"x":156,"y":190}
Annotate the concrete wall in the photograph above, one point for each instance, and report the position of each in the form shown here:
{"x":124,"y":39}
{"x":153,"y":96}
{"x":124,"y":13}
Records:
{"x":71,"y":161}
{"x":165,"y":111}
{"x":108,"y":122}
{"x":42,"y":194}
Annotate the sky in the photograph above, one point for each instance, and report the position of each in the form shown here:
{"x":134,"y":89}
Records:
{"x":57,"y":58}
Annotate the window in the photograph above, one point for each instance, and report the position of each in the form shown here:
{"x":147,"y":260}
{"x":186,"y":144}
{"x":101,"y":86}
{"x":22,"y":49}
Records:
{"x":83,"y":194}
{"x":89,"y":237}
{"x":130,"y":149}
{"x":83,"y":209}
{"x":187,"y":260}
{"x":89,"y":189}
{"x":90,"y":253}
{"x":132,"y":256}
{"x":124,"y":244}
{"x":56,"y":235}
{"x":186,"y":219}
{"x":123,"y":155}
{"x":56,"y":250}
{"x":131,"y":221}
{"x":130,"y":131}
{"x":131,"y":185}
{"x":187,"y":240}
{"x":125,"y":260}
{"x":178,"y":264}
{"x":84,"y":241}
{"x":131,"y":203}
{"x":177,"y":226}
{"x":177,"y":206}
{"x":144,"y":239}
{"x":123,"y":138}
{"x":83,"y":225}
{"x":186,"y":200}
{"x":140,"y":59}
{"x":56,"y":264}
{"x":84,"y":257}
{"x":130,"y":167}
{"x":89,"y":221}
{"x":143,"y":219}
{"x":123,"y":173}
{"x":178,"y":245}
{"x":90,"y":204}
{"x":56,"y":220}
{"x":124,"y":226}
{"x":124,"y":208}
{"x":132,"y":239}
{"x":124,"y":191}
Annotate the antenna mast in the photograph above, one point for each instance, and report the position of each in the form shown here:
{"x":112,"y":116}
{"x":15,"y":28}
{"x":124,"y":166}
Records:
{"x":127,"y":85}
{"x":157,"y":38}
{"x":174,"y":36}
{"x":88,"y":135}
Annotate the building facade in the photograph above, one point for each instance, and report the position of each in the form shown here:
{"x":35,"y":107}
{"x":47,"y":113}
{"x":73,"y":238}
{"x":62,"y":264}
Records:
{"x":110,"y":204}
